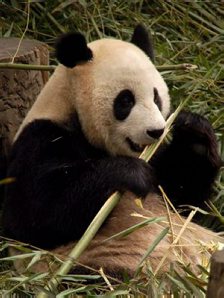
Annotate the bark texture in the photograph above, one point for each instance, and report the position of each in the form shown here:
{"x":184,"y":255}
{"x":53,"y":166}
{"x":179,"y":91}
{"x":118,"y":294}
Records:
{"x":216,"y":279}
{"x":19,"y":88}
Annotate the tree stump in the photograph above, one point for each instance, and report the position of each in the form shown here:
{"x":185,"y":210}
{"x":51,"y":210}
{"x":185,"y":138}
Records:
{"x":19,"y":88}
{"x":216,"y":278}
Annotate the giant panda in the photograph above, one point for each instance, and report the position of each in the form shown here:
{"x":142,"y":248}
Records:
{"x":80,"y":142}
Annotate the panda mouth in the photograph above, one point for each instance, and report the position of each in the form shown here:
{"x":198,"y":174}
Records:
{"x":135,"y":147}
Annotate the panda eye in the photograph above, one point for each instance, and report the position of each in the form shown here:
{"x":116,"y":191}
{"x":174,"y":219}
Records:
{"x":157,"y":99}
{"x":123,"y":104}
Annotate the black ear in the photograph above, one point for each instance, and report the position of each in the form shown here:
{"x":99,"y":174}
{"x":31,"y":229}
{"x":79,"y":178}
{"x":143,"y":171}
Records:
{"x":142,"y":39}
{"x":71,"y":49}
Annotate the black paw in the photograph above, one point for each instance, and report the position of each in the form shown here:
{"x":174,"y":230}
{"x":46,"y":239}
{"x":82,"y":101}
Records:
{"x":139,"y":178}
{"x":195,"y":133}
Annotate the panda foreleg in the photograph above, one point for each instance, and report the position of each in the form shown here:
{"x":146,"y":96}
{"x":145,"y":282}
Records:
{"x":63,"y":198}
{"x":85,"y":185}
{"x":187,"y":167}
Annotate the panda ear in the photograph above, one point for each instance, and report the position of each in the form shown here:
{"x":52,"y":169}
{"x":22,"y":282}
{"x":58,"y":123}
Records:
{"x":71,"y":49}
{"x":142,"y":39}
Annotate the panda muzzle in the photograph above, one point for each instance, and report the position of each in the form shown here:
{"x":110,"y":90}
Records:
{"x":135,"y":147}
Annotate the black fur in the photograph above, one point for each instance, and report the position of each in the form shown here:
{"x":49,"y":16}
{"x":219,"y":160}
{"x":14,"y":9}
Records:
{"x":188,"y":166}
{"x":62,"y":181}
{"x":71,"y":49}
{"x":123,"y":104}
{"x":143,"y":40}
{"x":157,"y":99}
{"x":3,"y":167}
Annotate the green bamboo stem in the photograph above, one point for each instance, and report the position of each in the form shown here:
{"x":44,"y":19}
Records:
{"x":20,"y":66}
{"x":184,"y":66}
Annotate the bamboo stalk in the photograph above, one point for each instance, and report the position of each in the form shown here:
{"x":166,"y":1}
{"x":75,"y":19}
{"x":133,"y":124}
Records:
{"x":20,"y":66}
{"x":184,"y":66}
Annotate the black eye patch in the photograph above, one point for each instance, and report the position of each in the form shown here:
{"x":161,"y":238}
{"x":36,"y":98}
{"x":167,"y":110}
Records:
{"x":123,"y":104}
{"x":157,"y":99}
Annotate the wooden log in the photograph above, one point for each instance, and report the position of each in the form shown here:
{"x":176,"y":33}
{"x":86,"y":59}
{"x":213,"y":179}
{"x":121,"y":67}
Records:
{"x":19,"y":88}
{"x":216,"y":278}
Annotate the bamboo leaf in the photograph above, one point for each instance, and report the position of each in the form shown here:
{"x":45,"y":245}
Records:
{"x":35,"y":258}
{"x":133,"y":228}
{"x":19,"y":257}
{"x":179,"y":284}
{"x":158,"y":239}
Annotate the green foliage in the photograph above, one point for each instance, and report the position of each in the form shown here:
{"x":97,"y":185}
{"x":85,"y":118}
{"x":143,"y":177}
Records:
{"x":183,"y":32}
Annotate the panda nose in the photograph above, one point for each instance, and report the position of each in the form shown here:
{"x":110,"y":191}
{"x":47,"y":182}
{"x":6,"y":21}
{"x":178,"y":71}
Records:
{"x":156,"y":133}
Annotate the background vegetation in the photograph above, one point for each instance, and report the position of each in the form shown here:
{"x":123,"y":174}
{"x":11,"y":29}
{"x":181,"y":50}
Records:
{"x":183,"y":32}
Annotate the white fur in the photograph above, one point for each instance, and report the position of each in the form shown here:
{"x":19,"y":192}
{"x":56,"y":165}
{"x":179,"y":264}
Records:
{"x":116,"y":66}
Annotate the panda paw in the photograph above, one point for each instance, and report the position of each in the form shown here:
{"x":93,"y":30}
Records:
{"x":138,"y":177}
{"x":194,"y":132}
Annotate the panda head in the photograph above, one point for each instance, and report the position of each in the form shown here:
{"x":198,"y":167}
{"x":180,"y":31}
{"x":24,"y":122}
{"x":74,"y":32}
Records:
{"x":120,"y":98}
